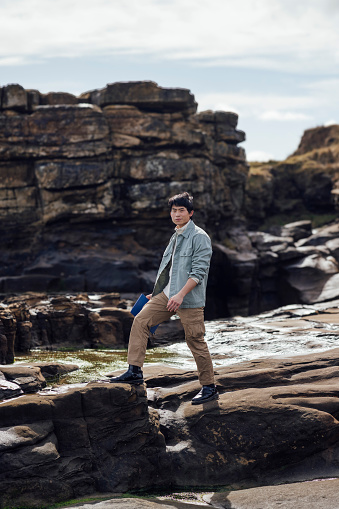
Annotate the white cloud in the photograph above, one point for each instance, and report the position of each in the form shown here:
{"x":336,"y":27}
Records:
{"x":284,"y":116}
{"x":274,"y":34}
{"x":259,"y":156}
{"x":12,"y":61}
{"x":330,"y":122}
{"x":258,"y":105}
{"x":323,"y":86}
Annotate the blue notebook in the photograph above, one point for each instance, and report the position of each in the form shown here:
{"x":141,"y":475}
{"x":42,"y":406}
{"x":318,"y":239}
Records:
{"x":138,"y":307}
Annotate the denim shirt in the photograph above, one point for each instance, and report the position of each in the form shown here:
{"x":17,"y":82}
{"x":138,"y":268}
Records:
{"x":191,"y":260}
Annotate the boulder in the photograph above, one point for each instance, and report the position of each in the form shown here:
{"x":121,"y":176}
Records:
{"x":315,"y":277}
{"x":333,"y":247}
{"x":221,"y":125}
{"x":297,"y":230}
{"x":78,"y":441}
{"x":321,"y":236}
{"x":33,"y":99}
{"x":9,"y":390}
{"x":145,"y":95}
{"x":110,"y":327}
{"x":55,"y":98}
{"x":290,"y":270}
{"x":20,"y":379}
{"x":29,"y":379}
{"x":53,"y":371}
{"x":14,"y":97}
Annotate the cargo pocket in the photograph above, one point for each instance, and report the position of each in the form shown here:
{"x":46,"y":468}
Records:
{"x":194,"y":331}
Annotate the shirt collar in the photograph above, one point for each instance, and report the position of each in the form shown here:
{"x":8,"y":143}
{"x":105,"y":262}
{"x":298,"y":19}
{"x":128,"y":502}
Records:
{"x":178,"y":231}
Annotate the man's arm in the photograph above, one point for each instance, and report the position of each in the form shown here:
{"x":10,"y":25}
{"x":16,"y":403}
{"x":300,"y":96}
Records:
{"x":202,"y":252}
{"x":175,"y":302}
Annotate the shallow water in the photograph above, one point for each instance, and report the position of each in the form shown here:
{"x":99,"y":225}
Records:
{"x":94,"y":364}
{"x":280,"y":333}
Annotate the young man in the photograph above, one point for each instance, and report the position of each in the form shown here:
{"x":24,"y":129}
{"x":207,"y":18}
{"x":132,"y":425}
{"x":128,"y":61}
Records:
{"x":180,"y":288}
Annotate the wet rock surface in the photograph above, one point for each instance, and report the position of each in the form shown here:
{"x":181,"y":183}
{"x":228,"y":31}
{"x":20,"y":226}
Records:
{"x":276,"y":420}
{"x":310,"y":495}
{"x":320,"y":494}
{"x":26,"y":379}
{"x":48,"y":322}
{"x":136,"y":503}
{"x":263,"y":271}
{"x":79,"y":440}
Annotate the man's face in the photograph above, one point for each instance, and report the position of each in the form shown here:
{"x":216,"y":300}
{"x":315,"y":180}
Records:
{"x":180,"y":215}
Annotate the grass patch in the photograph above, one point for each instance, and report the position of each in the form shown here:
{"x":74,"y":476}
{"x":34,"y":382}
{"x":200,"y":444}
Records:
{"x":229,"y":243}
{"x":67,"y":349}
{"x":89,"y":500}
{"x":86,"y":500}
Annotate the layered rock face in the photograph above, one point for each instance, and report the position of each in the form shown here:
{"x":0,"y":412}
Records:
{"x":57,"y":446}
{"x":85,"y":182}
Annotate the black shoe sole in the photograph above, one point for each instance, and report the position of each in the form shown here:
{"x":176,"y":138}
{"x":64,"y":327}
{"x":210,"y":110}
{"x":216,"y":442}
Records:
{"x":205,"y":400}
{"x":133,"y":382}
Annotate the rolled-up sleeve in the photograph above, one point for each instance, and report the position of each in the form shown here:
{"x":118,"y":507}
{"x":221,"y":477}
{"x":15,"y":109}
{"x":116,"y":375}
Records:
{"x":201,"y":258}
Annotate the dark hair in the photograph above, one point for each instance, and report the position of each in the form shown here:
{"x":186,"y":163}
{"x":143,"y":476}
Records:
{"x":181,"y":200}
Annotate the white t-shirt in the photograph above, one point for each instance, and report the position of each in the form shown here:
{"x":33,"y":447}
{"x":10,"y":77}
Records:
{"x":178,"y":231}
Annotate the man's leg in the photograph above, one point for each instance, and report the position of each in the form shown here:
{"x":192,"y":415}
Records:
{"x":153,"y":313}
{"x":192,"y":320}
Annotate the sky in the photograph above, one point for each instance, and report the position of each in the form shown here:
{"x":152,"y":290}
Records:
{"x":274,"y":62}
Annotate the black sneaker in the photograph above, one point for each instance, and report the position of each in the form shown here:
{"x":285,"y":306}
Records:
{"x":130,"y":377}
{"x":207,"y":393}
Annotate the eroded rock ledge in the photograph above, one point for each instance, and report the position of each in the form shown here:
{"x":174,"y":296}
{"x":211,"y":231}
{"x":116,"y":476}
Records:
{"x":85,"y":181}
{"x":275,"y":419}
{"x":53,"y":322}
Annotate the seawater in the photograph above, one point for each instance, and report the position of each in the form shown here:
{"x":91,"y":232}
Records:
{"x":230,"y":342}
{"x":93,"y":364}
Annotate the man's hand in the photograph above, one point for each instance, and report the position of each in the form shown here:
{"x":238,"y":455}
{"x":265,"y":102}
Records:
{"x":149,"y":296}
{"x":175,"y":302}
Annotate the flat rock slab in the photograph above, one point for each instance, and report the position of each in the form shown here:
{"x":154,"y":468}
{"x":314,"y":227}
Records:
{"x":134,"y":503}
{"x":320,"y":494}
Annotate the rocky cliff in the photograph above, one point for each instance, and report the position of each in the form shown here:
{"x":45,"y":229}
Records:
{"x":304,"y":186}
{"x":85,"y":182}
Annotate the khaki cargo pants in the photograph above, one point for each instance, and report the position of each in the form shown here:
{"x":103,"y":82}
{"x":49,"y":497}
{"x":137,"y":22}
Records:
{"x":192,"y":319}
